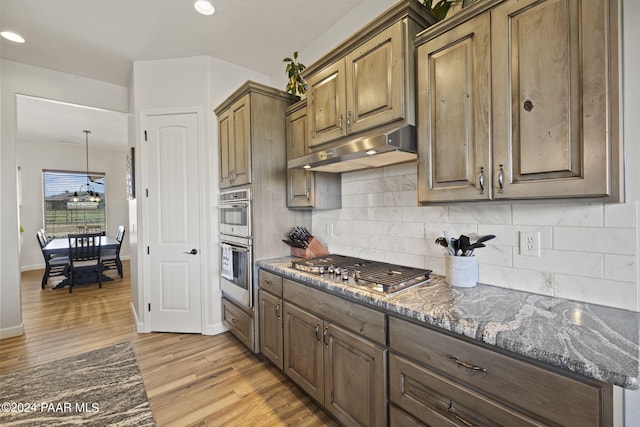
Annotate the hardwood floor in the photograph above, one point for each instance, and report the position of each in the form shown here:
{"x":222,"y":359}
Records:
{"x":190,"y":379}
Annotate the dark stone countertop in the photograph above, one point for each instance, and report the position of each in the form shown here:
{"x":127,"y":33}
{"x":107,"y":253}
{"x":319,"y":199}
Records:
{"x":592,"y":340}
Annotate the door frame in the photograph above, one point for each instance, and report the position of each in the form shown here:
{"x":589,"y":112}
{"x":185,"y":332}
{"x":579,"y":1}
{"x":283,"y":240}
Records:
{"x":205,"y":219}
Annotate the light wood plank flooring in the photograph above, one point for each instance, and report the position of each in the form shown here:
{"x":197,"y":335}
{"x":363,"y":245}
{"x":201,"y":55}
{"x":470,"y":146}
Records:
{"x":190,"y":379}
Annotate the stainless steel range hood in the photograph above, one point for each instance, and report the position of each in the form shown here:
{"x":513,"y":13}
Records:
{"x":386,"y":147}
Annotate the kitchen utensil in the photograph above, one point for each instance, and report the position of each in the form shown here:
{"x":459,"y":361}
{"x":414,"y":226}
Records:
{"x":464,"y":244}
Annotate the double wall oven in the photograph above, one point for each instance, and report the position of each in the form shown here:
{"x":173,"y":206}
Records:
{"x":236,"y":252}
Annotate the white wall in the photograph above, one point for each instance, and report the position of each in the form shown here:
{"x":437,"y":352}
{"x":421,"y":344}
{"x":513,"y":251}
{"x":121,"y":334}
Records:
{"x":33,"y":158}
{"x":24,"y":79}
{"x":197,"y":84}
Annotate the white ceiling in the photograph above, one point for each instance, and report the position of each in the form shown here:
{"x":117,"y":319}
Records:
{"x":101,"y":39}
{"x":43,"y":120}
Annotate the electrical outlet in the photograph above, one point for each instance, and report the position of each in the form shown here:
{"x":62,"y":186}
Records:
{"x":530,"y":243}
{"x":330,"y":230}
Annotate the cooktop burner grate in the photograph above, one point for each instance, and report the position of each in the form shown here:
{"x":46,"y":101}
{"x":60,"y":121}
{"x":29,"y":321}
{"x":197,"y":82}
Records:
{"x":388,"y":274}
{"x":376,"y":276}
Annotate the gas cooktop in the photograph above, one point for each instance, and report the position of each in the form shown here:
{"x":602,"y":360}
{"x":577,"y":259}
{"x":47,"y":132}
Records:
{"x":376,"y":276}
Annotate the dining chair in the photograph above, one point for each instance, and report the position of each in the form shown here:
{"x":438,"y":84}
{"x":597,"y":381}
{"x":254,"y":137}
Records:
{"x":84,"y":257}
{"x":55,"y":265}
{"x":111,"y":257}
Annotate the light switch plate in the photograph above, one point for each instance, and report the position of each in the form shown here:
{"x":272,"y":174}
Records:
{"x":530,"y":243}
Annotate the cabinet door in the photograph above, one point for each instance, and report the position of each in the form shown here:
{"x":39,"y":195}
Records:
{"x":238,"y":321}
{"x":375,"y":81}
{"x":271,"y":328}
{"x":327,"y":105}
{"x":303,"y":350}
{"x":225,"y":136}
{"x":299,"y":182}
{"x":454,"y":114}
{"x":355,"y":378}
{"x":550,"y":97}
{"x":240,"y":148}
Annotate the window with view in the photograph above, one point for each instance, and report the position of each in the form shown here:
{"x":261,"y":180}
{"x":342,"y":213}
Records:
{"x":74,"y":202}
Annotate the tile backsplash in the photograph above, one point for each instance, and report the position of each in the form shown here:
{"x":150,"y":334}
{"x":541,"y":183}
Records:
{"x":587,"y":250}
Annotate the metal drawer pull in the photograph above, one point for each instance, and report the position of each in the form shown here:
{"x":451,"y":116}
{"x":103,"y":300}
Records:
{"x":277,"y":309}
{"x":501,"y":179}
{"x":458,"y":417}
{"x":467,"y":365}
{"x":318,"y":332}
{"x":481,"y":180}
{"x":326,"y":332}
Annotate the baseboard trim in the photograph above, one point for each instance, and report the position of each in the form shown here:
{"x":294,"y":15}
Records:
{"x":14,"y":331}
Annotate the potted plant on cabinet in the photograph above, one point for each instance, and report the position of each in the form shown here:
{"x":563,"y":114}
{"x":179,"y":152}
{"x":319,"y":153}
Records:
{"x":296,"y":85}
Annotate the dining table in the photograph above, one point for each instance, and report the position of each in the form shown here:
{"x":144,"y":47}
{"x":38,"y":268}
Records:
{"x":60,"y":246}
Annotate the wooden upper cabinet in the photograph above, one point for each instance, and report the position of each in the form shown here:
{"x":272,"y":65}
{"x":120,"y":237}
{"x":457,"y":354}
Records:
{"x":555,"y":109}
{"x":251,"y":137}
{"x":299,"y":181}
{"x":306,"y":189}
{"x":519,"y":99}
{"x":454,"y":112}
{"x":368,"y":80}
{"x":234,"y":132}
{"x":327,"y":115}
{"x":361,"y":91}
{"x":375,"y":81}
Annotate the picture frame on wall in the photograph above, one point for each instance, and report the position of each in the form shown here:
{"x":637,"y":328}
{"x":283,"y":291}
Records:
{"x":131,"y":174}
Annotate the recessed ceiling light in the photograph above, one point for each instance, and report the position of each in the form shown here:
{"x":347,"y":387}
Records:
{"x":12,"y":36}
{"x":204,"y":7}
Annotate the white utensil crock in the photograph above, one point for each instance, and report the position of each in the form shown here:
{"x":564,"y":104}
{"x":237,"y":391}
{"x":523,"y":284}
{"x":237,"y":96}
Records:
{"x":462,"y":271}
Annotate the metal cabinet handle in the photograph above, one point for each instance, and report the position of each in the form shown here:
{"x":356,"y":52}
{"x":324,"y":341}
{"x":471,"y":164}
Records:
{"x":501,"y":178}
{"x":452,"y":411}
{"x":340,"y":122}
{"x":318,"y":332}
{"x":324,"y":337}
{"x":466,"y":365}
{"x":233,"y":320}
{"x":268,"y":281}
{"x":277,"y":309}
{"x":349,"y":120}
{"x":481,"y":180}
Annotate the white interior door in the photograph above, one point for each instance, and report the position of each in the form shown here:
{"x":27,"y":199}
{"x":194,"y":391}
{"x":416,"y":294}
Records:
{"x":173,"y":223}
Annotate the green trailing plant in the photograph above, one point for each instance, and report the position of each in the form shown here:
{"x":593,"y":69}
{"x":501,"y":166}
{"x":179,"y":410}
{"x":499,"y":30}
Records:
{"x":440,"y":8}
{"x":296,"y":84}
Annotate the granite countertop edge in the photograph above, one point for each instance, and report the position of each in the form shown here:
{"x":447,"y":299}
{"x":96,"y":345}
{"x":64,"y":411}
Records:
{"x":578,"y":335}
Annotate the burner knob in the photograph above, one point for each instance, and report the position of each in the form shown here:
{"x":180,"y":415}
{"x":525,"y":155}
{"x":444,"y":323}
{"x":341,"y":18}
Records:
{"x":336,"y":271}
{"x":321,"y":269}
{"x":345,"y":275}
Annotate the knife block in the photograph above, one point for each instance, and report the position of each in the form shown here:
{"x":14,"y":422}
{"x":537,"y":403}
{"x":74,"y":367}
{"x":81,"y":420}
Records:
{"x":314,"y":249}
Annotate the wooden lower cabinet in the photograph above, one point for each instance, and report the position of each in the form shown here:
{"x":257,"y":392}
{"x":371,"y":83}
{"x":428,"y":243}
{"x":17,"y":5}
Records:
{"x":271,"y":327}
{"x":342,"y":371}
{"x":431,"y":371}
{"x":370,"y":368}
{"x":239,"y":322}
{"x":439,"y":401}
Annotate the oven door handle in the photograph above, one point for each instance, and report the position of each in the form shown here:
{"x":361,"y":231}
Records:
{"x":234,"y":248}
{"x":234,"y":206}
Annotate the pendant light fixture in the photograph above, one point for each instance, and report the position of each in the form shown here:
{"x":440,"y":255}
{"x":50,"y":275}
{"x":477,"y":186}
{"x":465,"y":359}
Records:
{"x":93,"y":195}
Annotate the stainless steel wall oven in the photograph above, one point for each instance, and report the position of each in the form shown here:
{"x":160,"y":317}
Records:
{"x":236,"y":246}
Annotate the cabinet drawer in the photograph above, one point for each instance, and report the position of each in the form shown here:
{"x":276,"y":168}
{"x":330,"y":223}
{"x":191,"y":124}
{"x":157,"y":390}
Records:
{"x":440,"y":401}
{"x":362,"y":320}
{"x":239,"y":322}
{"x":270,"y":282}
{"x":558,"y":398}
{"x":399,"y":418}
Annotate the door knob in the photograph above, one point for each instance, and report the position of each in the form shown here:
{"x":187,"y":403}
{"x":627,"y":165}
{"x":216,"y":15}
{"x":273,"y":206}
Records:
{"x":193,"y":251}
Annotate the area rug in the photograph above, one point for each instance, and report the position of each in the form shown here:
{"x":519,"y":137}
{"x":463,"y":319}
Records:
{"x":101,"y":387}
